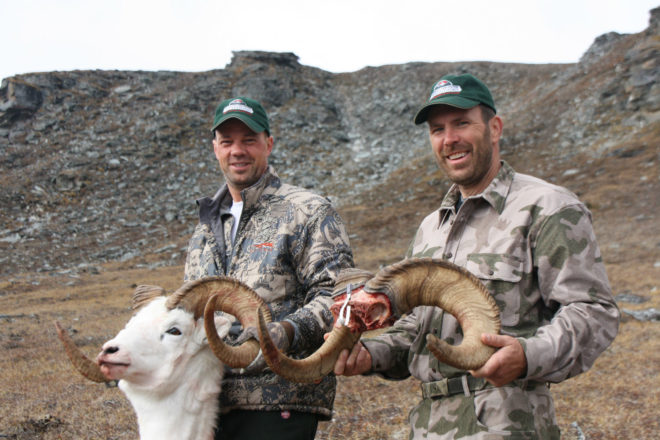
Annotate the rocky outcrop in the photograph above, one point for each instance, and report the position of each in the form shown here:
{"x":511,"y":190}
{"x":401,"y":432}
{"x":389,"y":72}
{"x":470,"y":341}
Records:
{"x":20,"y":100}
{"x":106,"y":165}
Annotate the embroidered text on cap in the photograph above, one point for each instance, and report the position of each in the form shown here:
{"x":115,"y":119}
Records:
{"x":444,"y":87}
{"x":237,"y":105}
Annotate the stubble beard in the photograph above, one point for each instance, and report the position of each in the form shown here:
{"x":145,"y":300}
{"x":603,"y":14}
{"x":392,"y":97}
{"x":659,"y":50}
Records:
{"x":475,"y":172}
{"x":244,"y":180}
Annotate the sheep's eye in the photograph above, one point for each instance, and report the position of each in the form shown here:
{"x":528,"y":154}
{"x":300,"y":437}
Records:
{"x":174,"y":331}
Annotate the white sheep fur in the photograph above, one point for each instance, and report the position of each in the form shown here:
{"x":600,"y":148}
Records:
{"x":167,"y":371}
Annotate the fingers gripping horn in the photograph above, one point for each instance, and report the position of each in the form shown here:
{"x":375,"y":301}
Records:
{"x":430,"y":282}
{"x":82,"y":363}
{"x":313,"y":368}
{"x":322,"y":362}
{"x":233,"y":297}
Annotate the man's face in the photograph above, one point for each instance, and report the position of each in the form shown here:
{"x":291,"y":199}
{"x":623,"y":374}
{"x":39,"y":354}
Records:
{"x":465,"y":147}
{"x":242,"y":154}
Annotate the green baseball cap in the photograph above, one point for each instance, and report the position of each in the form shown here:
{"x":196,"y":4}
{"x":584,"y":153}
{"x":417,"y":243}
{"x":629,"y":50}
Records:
{"x":463,"y":91}
{"x":246,"y":110}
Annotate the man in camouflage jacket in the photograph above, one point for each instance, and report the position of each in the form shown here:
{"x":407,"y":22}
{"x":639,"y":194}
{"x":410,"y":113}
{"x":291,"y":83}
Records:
{"x":532,"y":245}
{"x":288,"y":245}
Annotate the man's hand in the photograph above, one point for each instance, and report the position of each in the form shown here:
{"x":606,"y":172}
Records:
{"x":506,"y":364}
{"x":352,"y":363}
{"x":280,"y":332}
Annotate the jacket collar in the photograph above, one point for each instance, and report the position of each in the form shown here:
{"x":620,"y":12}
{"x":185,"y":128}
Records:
{"x":212,"y":207}
{"x":495,"y":193}
{"x":267,"y":184}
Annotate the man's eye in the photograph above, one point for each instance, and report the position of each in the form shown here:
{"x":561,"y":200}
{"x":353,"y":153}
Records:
{"x":174,"y":331}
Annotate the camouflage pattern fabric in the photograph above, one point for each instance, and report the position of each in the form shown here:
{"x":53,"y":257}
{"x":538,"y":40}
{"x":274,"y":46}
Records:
{"x":289,"y":247}
{"x":532,"y":245}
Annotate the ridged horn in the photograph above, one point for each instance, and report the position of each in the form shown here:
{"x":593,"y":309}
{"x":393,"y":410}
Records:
{"x":194,"y":295}
{"x":319,"y":364}
{"x":312,"y":368}
{"x":233,"y":297}
{"x":82,"y":363}
{"x":430,"y":282}
{"x":144,"y":294}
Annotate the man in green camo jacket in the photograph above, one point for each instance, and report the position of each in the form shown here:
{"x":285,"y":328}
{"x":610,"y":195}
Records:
{"x":286,"y":243}
{"x":532,"y":245}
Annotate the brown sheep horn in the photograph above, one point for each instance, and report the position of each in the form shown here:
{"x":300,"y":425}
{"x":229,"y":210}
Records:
{"x":430,"y":282}
{"x":407,"y":284}
{"x":312,"y":368}
{"x":322,"y":361}
{"x":192,"y":296}
{"x":144,"y":294}
{"x":233,"y":297}
{"x":82,"y":363}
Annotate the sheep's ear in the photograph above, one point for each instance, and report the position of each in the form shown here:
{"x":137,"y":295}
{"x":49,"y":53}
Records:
{"x":144,"y":294}
{"x":222,"y":324}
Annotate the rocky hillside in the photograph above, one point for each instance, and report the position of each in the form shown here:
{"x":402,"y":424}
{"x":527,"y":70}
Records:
{"x":102,"y":166}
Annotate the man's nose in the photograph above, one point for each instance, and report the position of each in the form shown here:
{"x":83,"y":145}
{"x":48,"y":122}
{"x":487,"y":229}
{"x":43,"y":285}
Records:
{"x":237,"y":149}
{"x":451,"y":136}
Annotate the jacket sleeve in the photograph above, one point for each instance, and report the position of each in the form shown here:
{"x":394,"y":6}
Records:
{"x":322,"y":251}
{"x":202,"y":259}
{"x":391,"y":349}
{"x":574,"y":284}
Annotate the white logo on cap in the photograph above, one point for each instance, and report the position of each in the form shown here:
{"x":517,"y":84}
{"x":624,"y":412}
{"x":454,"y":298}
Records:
{"x":444,"y":87}
{"x":237,"y":105}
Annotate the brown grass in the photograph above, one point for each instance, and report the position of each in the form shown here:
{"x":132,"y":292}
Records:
{"x":42,"y":397}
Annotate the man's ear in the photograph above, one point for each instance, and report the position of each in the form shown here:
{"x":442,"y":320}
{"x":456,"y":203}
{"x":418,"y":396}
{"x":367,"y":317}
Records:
{"x":216,"y":147}
{"x":270,"y":142}
{"x":495,"y":125}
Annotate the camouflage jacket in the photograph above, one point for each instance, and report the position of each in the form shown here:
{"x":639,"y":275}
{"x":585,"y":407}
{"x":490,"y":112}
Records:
{"x":532,"y":245}
{"x":289,"y":247}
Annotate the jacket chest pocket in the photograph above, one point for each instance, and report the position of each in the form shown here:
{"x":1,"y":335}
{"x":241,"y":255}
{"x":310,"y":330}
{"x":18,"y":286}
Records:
{"x":504,"y":277}
{"x":500,"y":273}
{"x":496,"y":267}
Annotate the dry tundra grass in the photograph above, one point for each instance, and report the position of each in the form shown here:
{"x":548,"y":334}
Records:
{"x":42,"y":397}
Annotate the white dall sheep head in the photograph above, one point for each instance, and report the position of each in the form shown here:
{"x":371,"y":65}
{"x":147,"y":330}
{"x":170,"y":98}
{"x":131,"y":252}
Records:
{"x":155,"y":347}
{"x":155,"y":332}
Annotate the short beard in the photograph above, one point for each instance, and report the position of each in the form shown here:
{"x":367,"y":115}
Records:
{"x":482,"y":165}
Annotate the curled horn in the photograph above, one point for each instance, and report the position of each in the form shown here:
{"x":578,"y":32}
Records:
{"x":233,"y":297}
{"x":194,"y":295}
{"x":312,"y":368}
{"x":322,"y":361}
{"x":229,"y":295}
{"x":144,"y":294}
{"x":431,"y":282}
{"x":82,"y":363}
{"x":408,"y":284}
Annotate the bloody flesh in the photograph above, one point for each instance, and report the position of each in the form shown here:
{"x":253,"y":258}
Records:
{"x":369,"y":311}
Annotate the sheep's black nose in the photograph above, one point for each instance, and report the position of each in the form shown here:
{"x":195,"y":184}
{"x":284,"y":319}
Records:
{"x":111,"y":350}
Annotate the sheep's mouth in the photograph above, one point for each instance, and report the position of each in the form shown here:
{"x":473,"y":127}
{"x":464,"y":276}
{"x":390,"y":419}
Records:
{"x":113,"y":370}
{"x":113,"y":364}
